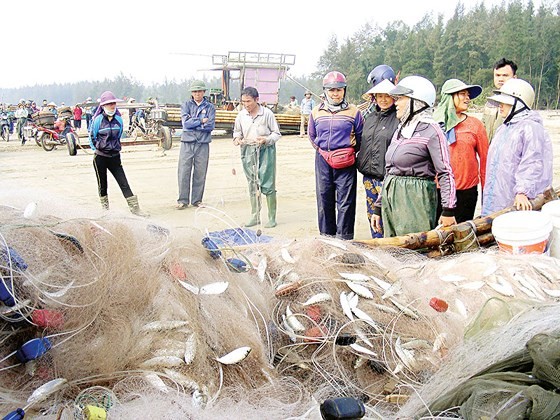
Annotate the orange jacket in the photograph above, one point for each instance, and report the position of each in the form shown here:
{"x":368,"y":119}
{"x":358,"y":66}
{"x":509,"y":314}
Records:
{"x":468,"y":154}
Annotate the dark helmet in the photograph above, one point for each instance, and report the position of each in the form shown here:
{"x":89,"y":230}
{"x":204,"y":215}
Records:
{"x":334,"y":79}
{"x":380,"y":73}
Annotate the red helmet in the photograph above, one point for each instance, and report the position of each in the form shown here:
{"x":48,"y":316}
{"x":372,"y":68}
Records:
{"x":334,"y":79}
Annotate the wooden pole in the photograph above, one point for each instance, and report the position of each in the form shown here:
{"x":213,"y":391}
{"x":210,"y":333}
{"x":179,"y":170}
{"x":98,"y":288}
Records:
{"x":445,"y":235}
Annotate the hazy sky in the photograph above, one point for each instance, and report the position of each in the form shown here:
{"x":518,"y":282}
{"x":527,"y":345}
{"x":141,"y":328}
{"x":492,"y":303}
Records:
{"x":66,"y":41}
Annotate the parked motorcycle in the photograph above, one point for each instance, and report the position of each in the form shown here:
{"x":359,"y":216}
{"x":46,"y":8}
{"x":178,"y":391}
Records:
{"x":63,"y":133}
{"x":5,"y":126}
{"x":30,"y":132}
{"x":150,"y":126}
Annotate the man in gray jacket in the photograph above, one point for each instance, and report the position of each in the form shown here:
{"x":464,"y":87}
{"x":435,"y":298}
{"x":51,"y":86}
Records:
{"x":198,"y":117}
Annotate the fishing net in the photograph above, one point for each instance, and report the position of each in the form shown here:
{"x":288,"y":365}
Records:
{"x":134,"y":318}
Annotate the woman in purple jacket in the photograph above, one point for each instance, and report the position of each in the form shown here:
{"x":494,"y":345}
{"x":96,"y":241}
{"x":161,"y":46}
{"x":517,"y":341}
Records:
{"x":417,"y":154}
{"x":335,"y":124}
{"x":519,"y":163}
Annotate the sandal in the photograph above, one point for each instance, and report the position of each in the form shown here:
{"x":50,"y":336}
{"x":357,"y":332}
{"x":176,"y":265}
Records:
{"x":181,"y":206}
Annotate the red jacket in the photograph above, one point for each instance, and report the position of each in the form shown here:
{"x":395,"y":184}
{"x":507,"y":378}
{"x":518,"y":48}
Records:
{"x":78,"y":113}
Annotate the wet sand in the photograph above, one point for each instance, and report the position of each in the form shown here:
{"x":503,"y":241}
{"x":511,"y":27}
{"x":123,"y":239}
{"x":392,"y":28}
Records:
{"x":28,"y":173}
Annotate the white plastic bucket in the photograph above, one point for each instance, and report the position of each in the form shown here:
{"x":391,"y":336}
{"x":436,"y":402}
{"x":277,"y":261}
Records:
{"x":552,"y":208}
{"x":523,"y":232}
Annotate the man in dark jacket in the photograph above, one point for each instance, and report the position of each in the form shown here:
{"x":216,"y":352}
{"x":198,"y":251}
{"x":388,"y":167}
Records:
{"x":198,"y":117}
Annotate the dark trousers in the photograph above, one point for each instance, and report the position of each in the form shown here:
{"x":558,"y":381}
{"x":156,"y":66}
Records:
{"x":466,"y":204}
{"x":102,"y":164}
{"x":336,"y":199}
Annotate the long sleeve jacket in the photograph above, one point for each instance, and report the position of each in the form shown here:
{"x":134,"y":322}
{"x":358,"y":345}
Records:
{"x":336,"y":130}
{"x":420,"y":150}
{"x":519,"y":162}
{"x":468,"y":154}
{"x":379,"y":127}
{"x":105,"y":135}
{"x":194,"y":130}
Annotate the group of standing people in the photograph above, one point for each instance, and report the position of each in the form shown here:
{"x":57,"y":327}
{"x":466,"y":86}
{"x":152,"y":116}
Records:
{"x":422,"y":168}
{"x":421,"y":164}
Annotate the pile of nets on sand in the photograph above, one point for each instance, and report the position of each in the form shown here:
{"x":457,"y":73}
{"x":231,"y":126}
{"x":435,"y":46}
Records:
{"x":122,"y":316}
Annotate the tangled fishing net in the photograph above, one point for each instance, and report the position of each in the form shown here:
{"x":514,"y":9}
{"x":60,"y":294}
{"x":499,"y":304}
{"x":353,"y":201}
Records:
{"x":119,"y":315}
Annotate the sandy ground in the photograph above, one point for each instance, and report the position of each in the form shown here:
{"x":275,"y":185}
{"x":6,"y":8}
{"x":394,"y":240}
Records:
{"x":28,"y":173}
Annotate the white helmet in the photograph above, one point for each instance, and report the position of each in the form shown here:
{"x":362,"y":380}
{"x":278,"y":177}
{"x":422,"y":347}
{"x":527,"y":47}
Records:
{"x":514,"y":89}
{"x":416,"y":87}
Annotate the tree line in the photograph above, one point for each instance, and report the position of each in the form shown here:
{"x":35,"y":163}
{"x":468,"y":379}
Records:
{"x":464,"y":47}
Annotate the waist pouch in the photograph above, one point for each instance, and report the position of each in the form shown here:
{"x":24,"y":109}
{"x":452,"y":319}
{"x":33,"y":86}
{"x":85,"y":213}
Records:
{"x":339,"y":158}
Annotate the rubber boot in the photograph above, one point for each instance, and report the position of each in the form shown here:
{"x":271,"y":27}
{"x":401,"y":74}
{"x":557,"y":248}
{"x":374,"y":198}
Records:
{"x":255,"y":211}
{"x":104,"y":202}
{"x":271,"y":204}
{"x":135,"y":207}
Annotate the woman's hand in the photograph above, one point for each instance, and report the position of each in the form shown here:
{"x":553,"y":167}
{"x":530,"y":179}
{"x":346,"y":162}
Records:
{"x":447,"y":221}
{"x":237,"y":141}
{"x":261,"y":140}
{"x":521,"y":202}
{"x":376,"y":223}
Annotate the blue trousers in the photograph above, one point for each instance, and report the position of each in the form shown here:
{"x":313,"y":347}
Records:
{"x":336,"y":199}
{"x":193,"y":166}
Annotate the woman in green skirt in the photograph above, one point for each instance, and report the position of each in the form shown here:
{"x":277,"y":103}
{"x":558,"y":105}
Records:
{"x":417,"y":155}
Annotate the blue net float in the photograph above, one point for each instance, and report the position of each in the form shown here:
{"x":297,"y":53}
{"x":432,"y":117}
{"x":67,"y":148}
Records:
{"x":15,"y":415}
{"x":212,"y":248}
{"x":236,"y":265}
{"x":33,"y":349}
{"x":6,"y":294}
{"x":12,"y":256}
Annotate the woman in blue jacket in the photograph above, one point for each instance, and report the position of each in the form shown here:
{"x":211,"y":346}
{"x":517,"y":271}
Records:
{"x":333,"y":125}
{"x":105,"y":141}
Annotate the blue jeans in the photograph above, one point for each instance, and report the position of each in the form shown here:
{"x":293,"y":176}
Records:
{"x":193,"y":165}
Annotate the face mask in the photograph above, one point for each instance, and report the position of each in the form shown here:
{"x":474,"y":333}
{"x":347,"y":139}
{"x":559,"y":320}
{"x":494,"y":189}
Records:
{"x":109,"y":112}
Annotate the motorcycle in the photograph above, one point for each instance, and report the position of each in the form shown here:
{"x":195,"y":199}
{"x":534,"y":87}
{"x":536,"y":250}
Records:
{"x":150,"y":126}
{"x":5,"y":126}
{"x":30,"y":132}
{"x":63,"y":133}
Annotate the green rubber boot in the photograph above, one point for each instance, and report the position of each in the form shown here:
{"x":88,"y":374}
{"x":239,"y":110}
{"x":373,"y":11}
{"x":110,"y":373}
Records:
{"x":271,"y":204}
{"x":255,"y":211}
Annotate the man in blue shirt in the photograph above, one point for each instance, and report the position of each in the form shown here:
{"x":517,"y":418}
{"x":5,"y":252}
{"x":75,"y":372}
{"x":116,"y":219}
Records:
{"x":307,"y":105}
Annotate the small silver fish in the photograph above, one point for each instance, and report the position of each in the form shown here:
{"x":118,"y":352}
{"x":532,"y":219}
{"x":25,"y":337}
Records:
{"x":163,"y":361}
{"x":292,"y":320}
{"x":163,"y":325}
{"x":405,"y":309}
{"x":46,"y":390}
{"x":354,"y":276}
{"x":286,"y":256}
{"x":359,"y":289}
{"x":155,"y":381}
{"x":234,"y":356}
{"x":190,"y":349}
{"x":318,"y":298}
{"x":346,"y":306}
{"x":363,"y":350}
{"x":214,"y":288}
